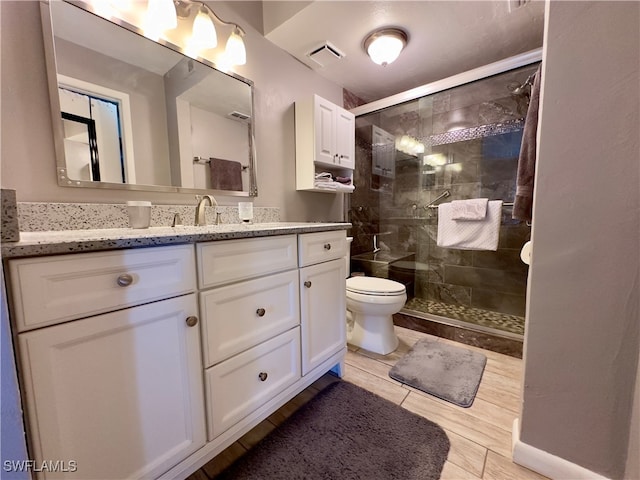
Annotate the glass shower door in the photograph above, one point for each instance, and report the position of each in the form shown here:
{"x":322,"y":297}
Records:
{"x":463,"y":141}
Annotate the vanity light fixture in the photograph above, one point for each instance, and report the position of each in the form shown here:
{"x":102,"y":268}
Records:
{"x":384,"y":46}
{"x":203,"y":31}
{"x":163,"y":15}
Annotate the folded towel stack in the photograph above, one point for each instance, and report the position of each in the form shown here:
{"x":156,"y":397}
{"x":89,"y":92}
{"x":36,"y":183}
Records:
{"x":467,"y":234}
{"x":326,"y":181}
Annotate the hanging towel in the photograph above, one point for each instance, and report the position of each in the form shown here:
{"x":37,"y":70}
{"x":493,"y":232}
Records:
{"x":469,"y":234}
{"x":523,"y":202}
{"x":474,"y":209}
{"x":225,"y":174}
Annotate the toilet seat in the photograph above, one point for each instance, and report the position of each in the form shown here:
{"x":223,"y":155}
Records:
{"x":374,"y":286}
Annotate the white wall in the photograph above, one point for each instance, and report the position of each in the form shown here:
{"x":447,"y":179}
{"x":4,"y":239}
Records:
{"x":582,"y":340}
{"x":28,"y":161}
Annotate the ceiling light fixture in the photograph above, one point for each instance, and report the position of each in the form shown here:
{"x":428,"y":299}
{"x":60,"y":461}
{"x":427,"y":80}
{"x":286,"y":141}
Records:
{"x":162,"y":15}
{"x":384,"y":45}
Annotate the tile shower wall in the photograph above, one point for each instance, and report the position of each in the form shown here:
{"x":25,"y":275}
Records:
{"x":474,"y":131}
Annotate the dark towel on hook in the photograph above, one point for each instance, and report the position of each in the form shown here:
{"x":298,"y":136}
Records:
{"x":225,"y":174}
{"x":523,"y":203}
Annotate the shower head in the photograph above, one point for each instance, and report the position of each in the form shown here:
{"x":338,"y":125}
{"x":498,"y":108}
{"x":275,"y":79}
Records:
{"x":524,"y":88}
{"x":520,"y":90}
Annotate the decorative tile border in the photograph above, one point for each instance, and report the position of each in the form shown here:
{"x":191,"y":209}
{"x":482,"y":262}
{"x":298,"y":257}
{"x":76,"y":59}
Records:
{"x":472,"y":133}
{"x":42,"y":217}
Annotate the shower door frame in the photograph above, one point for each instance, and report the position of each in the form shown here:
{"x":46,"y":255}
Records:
{"x":501,"y":66}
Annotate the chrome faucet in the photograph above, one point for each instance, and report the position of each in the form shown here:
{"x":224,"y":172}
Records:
{"x":201,"y":219}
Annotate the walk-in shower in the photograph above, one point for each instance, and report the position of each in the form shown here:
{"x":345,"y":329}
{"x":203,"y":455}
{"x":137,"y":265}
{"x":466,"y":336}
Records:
{"x":460,"y":142}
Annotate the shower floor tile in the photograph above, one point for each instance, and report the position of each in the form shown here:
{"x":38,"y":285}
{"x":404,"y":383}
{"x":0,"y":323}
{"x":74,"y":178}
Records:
{"x":476,"y":316}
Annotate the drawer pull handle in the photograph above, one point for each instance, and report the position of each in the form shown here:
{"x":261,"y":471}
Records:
{"x":125,"y":280}
{"x":262,"y":376}
{"x":327,"y":246}
{"x":307,"y":284}
{"x":260,"y":312}
{"x":192,"y":321}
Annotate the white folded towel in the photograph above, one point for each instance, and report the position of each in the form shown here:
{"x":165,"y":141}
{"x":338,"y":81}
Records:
{"x":341,"y":187}
{"x":474,"y":209}
{"x":325,"y":185}
{"x":334,"y":186}
{"x":469,"y":234}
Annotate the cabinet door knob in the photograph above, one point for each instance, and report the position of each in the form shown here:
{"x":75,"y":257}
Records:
{"x":327,"y":246}
{"x":307,"y":284}
{"x":125,"y":280}
{"x":260,"y":312}
{"x":262,"y":376}
{"x":192,"y":321}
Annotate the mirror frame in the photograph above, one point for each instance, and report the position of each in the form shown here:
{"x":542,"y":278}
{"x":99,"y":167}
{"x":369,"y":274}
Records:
{"x":58,"y":134}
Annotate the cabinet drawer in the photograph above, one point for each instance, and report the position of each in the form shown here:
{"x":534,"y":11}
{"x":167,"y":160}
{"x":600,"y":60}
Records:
{"x":239,"y":316}
{"x":48,"y":290}
{"x":321,"y":247}
{"x":245,"y":382}
{"x":234,"y":260}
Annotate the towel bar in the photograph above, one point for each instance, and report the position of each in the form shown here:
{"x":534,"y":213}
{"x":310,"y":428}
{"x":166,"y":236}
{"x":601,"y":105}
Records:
{"x":504,"y":204}
{"x":202,"y":160}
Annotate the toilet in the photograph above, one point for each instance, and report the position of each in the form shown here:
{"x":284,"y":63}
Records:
{"x":371,"y":303}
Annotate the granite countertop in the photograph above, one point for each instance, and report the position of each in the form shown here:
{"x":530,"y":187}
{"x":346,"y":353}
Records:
{"x":73,"y":241}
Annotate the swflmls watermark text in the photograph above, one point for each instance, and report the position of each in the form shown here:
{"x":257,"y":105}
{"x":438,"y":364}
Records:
{"x":61,"y":466}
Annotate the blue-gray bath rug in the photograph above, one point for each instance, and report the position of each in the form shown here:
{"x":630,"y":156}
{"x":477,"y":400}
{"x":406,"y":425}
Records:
{"x":442,"y":370}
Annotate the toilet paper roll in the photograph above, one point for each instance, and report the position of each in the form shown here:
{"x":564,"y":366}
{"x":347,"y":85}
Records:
{"x":525,"y":253}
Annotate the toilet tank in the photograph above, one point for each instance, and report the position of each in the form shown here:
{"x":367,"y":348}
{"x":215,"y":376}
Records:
{"x":347,"y":257}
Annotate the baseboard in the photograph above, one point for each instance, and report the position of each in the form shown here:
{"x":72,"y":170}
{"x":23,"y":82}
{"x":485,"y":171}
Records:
{"x":545,"y":463}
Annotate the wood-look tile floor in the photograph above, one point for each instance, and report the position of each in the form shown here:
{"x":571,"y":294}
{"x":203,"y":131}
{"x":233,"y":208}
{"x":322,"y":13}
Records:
{"x":480,"y":435}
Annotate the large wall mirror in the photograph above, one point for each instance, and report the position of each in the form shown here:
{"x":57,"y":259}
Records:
{"x":131,"y":113}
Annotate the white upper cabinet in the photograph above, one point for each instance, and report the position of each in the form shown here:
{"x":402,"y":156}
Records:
{"x":345,"y":137}
{"x":325,"y":141}
{"x":324,"y":127}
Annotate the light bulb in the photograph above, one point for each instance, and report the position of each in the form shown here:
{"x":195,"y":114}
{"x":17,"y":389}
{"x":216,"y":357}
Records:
{"x":161,"y":15}
{"x":385,"y":49}
{"x":235,"y":51}
{"x":204,"y":32}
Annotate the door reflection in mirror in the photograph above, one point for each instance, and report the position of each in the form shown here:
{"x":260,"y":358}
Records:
{"x":93,"y":137}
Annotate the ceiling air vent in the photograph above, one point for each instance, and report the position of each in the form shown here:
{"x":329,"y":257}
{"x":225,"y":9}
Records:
{"x":243,"y":117}
{"x":325,"y":54}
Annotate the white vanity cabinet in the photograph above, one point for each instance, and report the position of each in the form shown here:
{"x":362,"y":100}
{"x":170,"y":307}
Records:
{"x":322,"y":296}
{"x":119,"y":393}
{"x":251,"y":321}
{"x":263,"y":334}
{"x":148,"y":362}
{"x":325,"y":141}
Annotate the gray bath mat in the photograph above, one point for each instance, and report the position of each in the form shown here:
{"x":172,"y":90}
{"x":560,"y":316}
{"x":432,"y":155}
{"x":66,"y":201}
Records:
{"x":445,"y":371}
{"x":347,"y":433}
